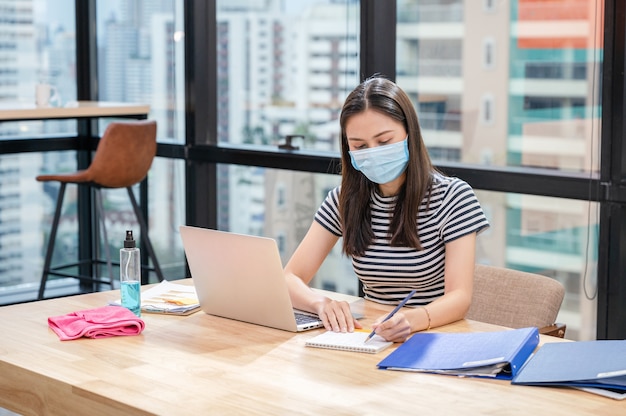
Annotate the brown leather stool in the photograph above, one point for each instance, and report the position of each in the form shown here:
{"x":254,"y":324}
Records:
{"x":122,"y":159}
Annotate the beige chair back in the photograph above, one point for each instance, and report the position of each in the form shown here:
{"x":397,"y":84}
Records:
{"x":514,"y":299}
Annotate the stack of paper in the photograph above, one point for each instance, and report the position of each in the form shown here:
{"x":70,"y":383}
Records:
{"x":497,"y":354}
{"x":169,"y":298}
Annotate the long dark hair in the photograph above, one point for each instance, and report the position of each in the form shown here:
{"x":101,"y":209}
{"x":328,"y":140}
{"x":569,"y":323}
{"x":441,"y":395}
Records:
{"x":382,"y":95}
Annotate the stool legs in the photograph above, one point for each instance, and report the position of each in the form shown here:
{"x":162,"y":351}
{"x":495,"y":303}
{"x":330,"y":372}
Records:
{"x":101,"y":220}
{"x":52,"y":239}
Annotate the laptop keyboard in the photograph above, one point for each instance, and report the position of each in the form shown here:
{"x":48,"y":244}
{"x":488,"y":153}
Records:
{"x":302,"y":318}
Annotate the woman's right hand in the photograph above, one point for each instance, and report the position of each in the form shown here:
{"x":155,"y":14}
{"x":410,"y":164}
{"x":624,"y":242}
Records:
{"x":336,"y":315}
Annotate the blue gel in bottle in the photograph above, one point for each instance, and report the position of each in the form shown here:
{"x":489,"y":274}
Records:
{"x":131,"y":296}
{"x":130,"y":275}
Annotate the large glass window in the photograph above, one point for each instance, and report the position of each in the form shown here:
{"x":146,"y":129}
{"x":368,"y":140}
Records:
{"x":515,"y":84}
{"x":37,"y":46}
{"x":285,"y":68}
{"x":512,"y":84}
{"x":26,"y":208}
{"x":37,"y":50}
{"x":141,"y":59}
{"x":166,"y":212}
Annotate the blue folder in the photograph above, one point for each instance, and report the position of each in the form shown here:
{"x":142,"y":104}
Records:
{"x":497,"y":354}
{"x":598,"y":364}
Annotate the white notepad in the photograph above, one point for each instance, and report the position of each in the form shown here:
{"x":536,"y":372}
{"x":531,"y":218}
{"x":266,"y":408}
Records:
{"x":348,"y":341}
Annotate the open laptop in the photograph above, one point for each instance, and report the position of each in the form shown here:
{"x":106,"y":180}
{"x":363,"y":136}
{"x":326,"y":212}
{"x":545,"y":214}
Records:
{"x":241,"y":277}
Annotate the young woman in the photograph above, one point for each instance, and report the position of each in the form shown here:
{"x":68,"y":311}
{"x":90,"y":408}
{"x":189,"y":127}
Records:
{"x":405,"y":225}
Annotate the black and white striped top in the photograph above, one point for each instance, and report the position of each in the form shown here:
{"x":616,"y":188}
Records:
{"x":389,"y":273}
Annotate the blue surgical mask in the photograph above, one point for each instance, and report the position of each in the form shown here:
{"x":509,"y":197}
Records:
{"x":382,"y":164}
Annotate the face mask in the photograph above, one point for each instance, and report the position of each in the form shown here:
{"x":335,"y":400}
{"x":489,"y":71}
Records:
{"x":382,"y":164}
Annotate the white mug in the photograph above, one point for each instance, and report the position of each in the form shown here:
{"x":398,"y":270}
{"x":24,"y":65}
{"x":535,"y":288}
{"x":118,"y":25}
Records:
{"x":45,"y":94}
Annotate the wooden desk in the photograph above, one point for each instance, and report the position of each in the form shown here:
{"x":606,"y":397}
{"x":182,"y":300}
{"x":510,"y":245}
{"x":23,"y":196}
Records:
{"x":74,"y":110}
{"x":82,"y":111}
{"x":202,"y":364}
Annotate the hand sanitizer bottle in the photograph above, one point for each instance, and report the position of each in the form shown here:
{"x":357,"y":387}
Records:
{"x":130,"y":275}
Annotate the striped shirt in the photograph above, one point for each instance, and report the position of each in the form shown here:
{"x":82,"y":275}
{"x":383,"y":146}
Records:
{"x":389,"y":273}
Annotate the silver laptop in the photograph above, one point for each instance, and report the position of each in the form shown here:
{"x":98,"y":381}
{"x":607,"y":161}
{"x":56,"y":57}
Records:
{"x":241,"y":277}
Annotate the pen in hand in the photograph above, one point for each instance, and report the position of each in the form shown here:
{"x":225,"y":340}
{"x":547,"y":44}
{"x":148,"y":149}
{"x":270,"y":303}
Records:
{"x":392,"y":313}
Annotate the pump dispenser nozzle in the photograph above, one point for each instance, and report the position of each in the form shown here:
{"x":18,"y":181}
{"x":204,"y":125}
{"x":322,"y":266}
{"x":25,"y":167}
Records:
{"x":129,"y":242}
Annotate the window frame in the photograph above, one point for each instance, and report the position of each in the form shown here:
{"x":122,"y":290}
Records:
{"x":202,"y":154}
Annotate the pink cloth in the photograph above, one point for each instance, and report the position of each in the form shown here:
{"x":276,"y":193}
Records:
{"x":103,"y":322}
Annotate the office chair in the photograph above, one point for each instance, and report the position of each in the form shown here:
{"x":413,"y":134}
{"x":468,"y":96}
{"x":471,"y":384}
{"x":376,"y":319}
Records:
{"x":516,"y":299}
{"x":122,"y":159}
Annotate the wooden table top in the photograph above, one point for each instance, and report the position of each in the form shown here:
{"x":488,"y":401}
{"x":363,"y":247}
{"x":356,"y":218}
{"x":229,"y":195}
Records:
{"x":201,"y":364}
{"x":74,"y":109}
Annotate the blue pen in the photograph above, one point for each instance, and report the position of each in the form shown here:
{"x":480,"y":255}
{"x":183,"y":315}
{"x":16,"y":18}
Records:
{"x":392,"y":313}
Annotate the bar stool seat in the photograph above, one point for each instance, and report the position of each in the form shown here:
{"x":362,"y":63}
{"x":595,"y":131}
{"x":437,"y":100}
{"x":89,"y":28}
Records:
{"x":122,"y":159}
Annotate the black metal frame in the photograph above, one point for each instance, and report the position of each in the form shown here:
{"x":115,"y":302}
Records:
{"x":86,"y":89}
{"x":611,"y":319}
{"x":202,"y":153}
{"x":378,"y":40}
{"x":201,"y":111}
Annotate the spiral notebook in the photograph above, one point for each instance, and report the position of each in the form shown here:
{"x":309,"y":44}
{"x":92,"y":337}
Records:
{"x":348,"y":341}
